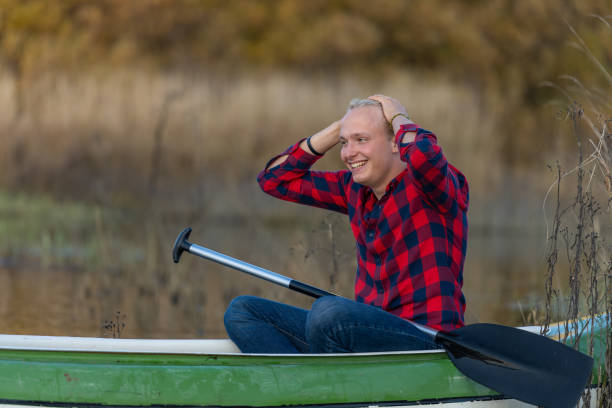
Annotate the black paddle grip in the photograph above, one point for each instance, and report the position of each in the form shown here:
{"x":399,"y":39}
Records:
{"x":181,"y":244}
{"x":308,"y":290}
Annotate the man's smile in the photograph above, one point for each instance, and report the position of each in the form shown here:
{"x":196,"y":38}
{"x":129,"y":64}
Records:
{"x":357,"y":164}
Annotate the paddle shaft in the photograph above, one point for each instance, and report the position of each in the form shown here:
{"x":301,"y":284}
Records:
{"x":183,"y":245}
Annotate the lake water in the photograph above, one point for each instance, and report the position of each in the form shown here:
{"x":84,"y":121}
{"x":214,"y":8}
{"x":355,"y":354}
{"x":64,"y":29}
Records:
{"x":137,"y":291}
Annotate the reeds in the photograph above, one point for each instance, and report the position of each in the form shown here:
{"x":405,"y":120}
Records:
{"x":111,"y":134}
{"x":580,"y":221}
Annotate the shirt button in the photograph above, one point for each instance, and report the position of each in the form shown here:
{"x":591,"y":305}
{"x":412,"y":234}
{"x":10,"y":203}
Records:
{"x":371,"y":234}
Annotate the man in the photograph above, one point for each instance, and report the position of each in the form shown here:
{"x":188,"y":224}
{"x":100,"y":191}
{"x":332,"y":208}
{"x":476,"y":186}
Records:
{"x":407,"y":207}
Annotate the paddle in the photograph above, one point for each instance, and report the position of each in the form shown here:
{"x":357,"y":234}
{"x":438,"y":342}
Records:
{"x":513,"y":362}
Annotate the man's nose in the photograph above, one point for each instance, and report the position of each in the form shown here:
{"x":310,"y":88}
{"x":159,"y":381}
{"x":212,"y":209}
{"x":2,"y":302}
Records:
{"x":349,"y":150}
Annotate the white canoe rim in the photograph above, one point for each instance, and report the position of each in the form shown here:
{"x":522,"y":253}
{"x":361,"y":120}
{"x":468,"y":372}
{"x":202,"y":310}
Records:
{"x":196,"y":346}
{"x":149,"y":346}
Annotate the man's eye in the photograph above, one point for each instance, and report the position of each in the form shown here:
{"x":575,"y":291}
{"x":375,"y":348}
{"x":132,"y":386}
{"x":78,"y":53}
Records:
{"x":362,"y":140}
{"x":342,"y":142}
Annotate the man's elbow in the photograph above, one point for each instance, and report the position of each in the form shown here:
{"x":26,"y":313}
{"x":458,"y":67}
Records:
{"x":276,"y":162}
{"x":264,"y":181}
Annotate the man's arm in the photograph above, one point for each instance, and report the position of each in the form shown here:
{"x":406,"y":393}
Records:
{"x":289,"y":177}
{"x":321,"y":141}
{"x":443,"y":184}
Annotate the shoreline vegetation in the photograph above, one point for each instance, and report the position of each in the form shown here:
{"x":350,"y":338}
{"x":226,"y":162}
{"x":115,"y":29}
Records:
{"x":577,"y":228}
{"x":576,"y":234}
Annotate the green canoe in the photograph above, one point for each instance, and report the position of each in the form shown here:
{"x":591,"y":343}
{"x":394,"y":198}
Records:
{"x":70,"y":371}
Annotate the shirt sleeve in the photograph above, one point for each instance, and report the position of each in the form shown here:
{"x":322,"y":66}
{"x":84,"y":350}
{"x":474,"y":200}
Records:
{"x":440,"y":182}
{"x":293,"y":181}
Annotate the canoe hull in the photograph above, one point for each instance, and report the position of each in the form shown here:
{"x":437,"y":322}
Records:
{"x":117,"y":372}
{"x":127,"y":379}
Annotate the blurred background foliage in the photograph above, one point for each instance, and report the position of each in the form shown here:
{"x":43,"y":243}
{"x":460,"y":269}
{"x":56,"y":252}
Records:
{"x":502,"y":46}
{"x":123,"y":118}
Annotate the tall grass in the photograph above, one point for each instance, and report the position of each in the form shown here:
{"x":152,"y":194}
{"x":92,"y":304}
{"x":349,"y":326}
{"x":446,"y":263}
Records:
{"x":111,"y":132}
{"x":580,"y":220}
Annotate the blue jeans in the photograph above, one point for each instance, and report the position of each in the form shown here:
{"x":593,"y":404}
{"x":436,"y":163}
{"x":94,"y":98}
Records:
{"x":332,"y":325}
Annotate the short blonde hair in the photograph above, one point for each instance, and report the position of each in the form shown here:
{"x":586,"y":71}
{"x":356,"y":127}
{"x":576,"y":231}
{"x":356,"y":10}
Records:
{"x":360,"y":103}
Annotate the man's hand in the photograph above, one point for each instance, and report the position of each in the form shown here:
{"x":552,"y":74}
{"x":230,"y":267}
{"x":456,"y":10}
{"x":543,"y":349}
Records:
{"x":390,"y":106}
{"x":395,"y":114}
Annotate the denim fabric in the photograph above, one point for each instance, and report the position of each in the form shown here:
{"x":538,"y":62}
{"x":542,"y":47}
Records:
{"x":332,"y":325}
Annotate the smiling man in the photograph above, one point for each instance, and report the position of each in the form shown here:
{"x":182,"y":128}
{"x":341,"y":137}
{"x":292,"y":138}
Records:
{"x":408,"y":211}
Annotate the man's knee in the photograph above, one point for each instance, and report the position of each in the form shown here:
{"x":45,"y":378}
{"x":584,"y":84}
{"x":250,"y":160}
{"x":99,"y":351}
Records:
{"x":325,"y":314}
{"x":238,"y":309}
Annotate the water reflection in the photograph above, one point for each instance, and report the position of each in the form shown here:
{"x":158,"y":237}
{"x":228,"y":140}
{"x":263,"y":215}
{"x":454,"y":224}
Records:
{"x":504,"y":280}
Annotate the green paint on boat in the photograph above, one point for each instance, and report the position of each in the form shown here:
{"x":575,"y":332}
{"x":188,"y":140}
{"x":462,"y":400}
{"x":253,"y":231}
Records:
{"x":190,"y":379}
{"x":228,"y":380}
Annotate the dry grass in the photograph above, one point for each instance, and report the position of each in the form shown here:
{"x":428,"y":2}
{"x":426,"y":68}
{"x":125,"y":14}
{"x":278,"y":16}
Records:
{"x":98,"y":131}
{"x":581,"y":219}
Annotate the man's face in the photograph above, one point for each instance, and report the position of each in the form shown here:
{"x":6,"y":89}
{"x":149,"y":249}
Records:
{"x":366,"y":148}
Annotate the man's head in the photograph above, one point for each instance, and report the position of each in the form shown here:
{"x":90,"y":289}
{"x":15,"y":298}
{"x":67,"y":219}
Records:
{"x":368,"y":147}
{"x":362,"y":103}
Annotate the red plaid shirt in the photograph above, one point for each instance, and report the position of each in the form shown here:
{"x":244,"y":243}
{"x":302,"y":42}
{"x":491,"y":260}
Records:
{"x":411,"y":243}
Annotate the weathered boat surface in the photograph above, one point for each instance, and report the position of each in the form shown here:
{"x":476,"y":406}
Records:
{"x":482,"y":403}
{"x":55,"y":371}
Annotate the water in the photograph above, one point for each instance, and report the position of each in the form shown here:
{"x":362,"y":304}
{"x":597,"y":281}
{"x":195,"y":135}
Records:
{"x":138,"y":289}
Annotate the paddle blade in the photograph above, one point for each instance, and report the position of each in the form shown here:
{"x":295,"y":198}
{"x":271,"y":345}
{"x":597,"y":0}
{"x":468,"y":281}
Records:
{"x":519,"y":364}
